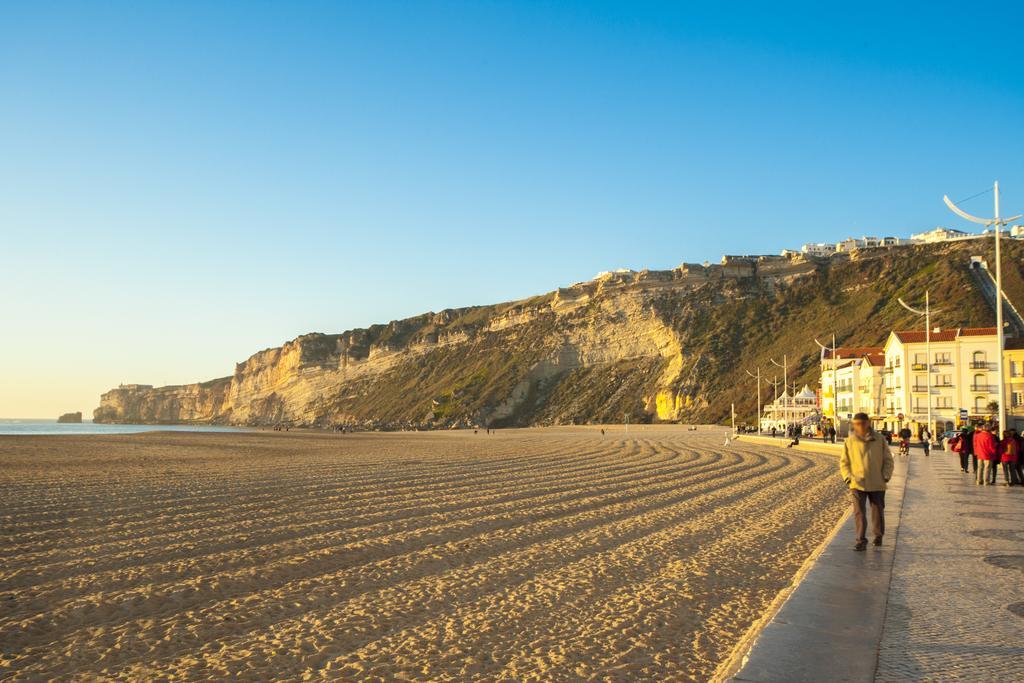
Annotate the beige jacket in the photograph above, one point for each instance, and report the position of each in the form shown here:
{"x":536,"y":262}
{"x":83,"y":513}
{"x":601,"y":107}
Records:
{"x":866,"y":464}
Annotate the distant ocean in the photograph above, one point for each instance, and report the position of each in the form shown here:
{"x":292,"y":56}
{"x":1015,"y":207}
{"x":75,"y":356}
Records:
{"x":15,"y":426}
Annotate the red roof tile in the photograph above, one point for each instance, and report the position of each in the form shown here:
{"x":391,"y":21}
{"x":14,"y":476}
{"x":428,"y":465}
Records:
{"x":854,"y":351}
{"x":946,"y":335}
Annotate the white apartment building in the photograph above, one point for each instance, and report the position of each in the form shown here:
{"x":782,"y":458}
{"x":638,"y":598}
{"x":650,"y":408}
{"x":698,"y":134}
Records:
{"x":851,"y":243}
{"x":963,"y":369}
{"x":856,"y":386}
{"x":939,"y":235}
{"x":818,"y":249}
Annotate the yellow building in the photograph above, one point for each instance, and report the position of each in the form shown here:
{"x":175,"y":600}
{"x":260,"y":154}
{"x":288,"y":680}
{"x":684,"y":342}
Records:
{"x":1013,"y":355}
{"x":856,"y":387}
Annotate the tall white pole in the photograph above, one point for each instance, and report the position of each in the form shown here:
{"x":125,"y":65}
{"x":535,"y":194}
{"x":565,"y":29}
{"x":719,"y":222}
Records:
{"x":758,"y":416}
{"x":785,"y":378}
{"x":785,"y":387}
{"x":835,"y":394}
{"x":928,"y":355}
{"x":997,"y":223}
{"x":999,"y":315}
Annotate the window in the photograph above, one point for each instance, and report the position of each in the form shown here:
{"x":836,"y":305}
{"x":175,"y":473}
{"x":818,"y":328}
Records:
{"x":944,"y":381}
{"x":1018,"y":399}
{"x":980,"y":384}
{"x":920,"y":358}
{"x":942,"y":358}
{"x":978,"y":360}
{"x":979,"y":405}
{"x":943,"y":402}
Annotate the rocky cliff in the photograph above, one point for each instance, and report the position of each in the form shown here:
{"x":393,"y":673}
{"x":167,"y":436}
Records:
{"x":647,"y":346}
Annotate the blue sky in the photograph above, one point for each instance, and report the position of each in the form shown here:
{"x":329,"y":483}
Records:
{"x":183,"y":184}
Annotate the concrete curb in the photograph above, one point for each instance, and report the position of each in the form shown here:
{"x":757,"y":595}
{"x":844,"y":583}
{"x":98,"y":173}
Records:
{"x":828,"y":625}
{"x":804,"y":445}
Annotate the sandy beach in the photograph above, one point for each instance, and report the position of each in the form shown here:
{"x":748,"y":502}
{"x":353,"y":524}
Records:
{"x":537,"y":554}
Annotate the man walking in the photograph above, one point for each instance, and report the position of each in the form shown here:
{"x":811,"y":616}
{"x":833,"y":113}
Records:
{"x":866,"y":466}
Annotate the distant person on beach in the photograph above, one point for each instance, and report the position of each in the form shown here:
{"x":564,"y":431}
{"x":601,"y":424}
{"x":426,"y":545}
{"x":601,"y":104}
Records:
{"x":866,"y":466}
{"x":832,"y":433}
{"x":986,"y":450}
{"x":926,"y":441}
{"x":773,"y":431}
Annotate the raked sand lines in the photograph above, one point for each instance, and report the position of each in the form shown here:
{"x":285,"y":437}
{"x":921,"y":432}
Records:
{"x":525,"y":554}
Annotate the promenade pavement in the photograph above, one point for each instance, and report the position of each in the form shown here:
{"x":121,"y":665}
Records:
{"x":955,"y":611}
{"x":939,"y":601}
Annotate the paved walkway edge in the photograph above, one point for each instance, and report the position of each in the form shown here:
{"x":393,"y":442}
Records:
{"x":827,"y":625}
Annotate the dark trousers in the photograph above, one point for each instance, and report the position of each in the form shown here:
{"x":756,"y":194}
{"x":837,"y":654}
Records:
{"x":877,"y":500}
{"x":974,"y":463}
{"x":963,"y":460}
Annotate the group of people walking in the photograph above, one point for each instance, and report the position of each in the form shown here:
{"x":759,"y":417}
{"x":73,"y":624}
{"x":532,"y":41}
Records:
{"x":985,"y":452}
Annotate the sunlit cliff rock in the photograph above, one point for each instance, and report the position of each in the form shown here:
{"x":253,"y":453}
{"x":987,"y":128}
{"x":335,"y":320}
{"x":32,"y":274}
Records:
{"x":644,"y":346}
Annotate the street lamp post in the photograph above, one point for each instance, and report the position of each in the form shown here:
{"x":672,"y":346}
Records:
{"x":775,"y":387}
{"x":785,"y":382}
{"x":927,"y":313}
{"x":997,"y":224}
{"x":835,"y":384}
{"x":758,"y":416}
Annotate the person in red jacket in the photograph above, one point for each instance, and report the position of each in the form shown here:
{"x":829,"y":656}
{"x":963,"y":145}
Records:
{"x":986,"y":448}
{"x":1009,"y":454}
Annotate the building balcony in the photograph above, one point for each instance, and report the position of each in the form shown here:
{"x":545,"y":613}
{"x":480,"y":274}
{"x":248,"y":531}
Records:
{"x":943,"y":362}
{"x":979,"y":365}
{"x":984,"y":388}
{"x":920,"y":390}
{"x":887,"y":370}
{"x":919,"y":367}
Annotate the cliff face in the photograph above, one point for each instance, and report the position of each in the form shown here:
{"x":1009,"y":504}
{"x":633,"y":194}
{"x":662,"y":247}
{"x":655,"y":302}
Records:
{"x":652,"y":345}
